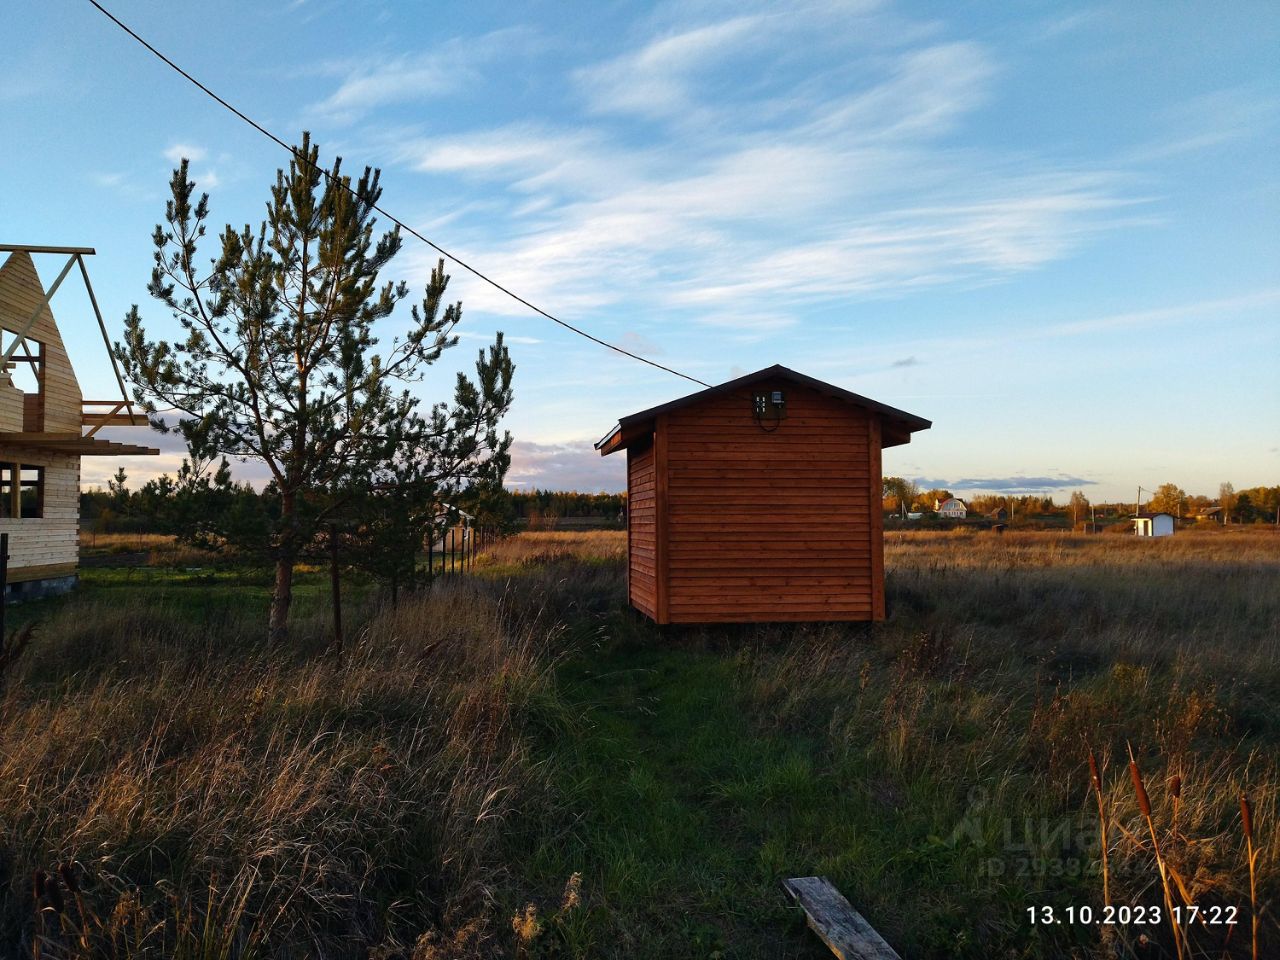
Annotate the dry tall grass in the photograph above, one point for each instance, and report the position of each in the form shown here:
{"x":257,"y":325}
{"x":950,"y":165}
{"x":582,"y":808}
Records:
{"x":161,"y":549}
{"x":1007,"y":658}
{"x":214,"y":801}
{"x":168,"y":790}
{"x":537,"y":547}
{"x":124,"y":542}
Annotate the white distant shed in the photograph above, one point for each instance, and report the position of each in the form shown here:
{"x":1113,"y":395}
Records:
{"x":1153,"y":524}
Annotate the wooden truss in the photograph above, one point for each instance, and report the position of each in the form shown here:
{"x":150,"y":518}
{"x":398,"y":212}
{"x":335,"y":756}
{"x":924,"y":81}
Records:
{"x":94,"y":414}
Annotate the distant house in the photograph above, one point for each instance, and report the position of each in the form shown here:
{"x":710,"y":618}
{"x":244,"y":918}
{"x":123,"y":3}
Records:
{"x":1153,"y":524}
{"x":1210,"y":513}
{"x":999,"y":513}
{"x":453,"y":528}
{"x":953,"y":509}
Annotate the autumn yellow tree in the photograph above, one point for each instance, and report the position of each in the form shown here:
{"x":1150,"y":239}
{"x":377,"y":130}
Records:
{"x":1168,"y":499}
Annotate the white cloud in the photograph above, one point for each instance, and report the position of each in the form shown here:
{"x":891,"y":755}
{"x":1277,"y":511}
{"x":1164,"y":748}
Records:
{"x":845,"y":184}
{"x":498,"y":150}
{"x":180,"y":151}
{"x":105,"y":179}
{"x":850,"y":199}
{"x":488,"y":338}
{"x":1211,"y":120}
{"x":450,"y":66}
{"x":575,"y":465}
{"x":638,"y":343}
{"x":1203,"y":310}
{"x":979,"y":342}
{"x":122,"y":185}
{"x":653,"y":80}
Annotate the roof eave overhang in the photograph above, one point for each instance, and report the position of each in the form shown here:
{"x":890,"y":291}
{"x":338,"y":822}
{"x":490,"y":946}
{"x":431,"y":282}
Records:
{"x":76,"y":444}
{"x":627,"y":433}
{"x":897,"y":430}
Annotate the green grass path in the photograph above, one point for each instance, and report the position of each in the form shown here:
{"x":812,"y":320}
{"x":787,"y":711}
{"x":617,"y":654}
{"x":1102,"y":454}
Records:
{"x":689,"y":816}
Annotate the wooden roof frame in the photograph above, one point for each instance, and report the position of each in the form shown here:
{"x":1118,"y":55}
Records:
{"x":119,"y":412}
{"x":898,"y":425}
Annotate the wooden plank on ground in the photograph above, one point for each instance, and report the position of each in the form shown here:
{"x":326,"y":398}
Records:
{"x":833,"y":919}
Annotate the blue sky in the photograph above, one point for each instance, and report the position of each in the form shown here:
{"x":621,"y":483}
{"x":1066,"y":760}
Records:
{"x":1051,"y":229}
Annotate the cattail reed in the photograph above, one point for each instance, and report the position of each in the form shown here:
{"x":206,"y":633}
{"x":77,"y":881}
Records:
{"x":68,"y":873}
{"x":1144,"y":804}
{"x":1246,"y":821}
{"x":53,"y":893}
{"x":1096,"y":779}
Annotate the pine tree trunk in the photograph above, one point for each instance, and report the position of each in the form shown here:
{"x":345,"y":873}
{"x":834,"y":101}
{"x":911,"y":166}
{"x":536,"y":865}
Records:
{"x":281,"y":599}
{"x":282,"y":594}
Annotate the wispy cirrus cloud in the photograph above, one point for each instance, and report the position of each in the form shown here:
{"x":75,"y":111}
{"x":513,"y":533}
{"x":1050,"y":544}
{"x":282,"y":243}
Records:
{"x":1015,"y":484}
{"x":849,"y":190}
{"x":450,"y":66}
{"x":488,"y":338}
{"x":1211,"y":120}
{"x":575,"y":465}
{"x":655,"y":80}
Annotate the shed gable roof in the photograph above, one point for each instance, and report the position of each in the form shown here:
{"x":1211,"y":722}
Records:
{"x":631,"y":428}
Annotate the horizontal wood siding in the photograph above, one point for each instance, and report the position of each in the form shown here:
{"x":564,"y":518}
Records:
{"x":772,"y":524}
{"x":642,"y":540}
{"x":54,"y":538}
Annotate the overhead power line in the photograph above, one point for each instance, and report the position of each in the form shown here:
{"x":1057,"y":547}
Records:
{"x":398,"y":222}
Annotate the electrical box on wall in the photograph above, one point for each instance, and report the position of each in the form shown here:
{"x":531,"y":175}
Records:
{"x":770,"y":406}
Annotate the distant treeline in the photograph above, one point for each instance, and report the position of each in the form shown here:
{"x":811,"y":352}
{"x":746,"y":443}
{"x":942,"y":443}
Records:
{"x":150,"y":508}
{"x":170,"y":505}
{"x":1252,"y":505}
{"x":547,"y":508}
{"x":121,"y":510}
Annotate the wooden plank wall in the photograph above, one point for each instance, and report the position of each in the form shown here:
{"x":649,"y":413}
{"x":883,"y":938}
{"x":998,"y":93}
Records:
{"x":53,"y":538}
{"x":59,"y":409}
{"x":642,"y":539}
{"x":773,"y":526}
{"x":12,"y":402}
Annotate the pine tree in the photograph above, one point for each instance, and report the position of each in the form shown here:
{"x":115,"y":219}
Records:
{"x":279,"y":362}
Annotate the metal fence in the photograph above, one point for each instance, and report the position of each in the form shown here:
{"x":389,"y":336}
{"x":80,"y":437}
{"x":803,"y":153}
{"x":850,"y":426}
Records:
{"x":457,"y":549}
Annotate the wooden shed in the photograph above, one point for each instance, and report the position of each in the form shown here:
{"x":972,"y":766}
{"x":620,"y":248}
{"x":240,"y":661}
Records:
{"x":1154,"y":524}
{"x":758,"y":500}
{"x":46,"y":425}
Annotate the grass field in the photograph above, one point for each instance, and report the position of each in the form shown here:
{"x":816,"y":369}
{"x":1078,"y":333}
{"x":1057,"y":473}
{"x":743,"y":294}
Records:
{"x":514,"y":764}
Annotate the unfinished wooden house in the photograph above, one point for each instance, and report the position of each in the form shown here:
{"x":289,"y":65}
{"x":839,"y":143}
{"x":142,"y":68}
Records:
{"x":46,"y":425}
{"x":758,"y":500}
